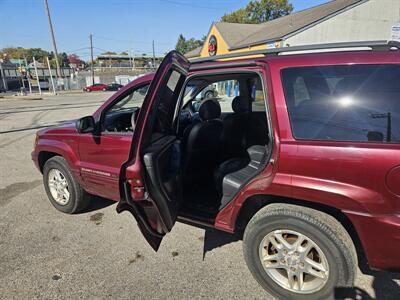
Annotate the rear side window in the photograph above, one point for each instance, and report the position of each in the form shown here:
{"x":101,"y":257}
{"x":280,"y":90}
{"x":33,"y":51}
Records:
{"x":358,"y":103}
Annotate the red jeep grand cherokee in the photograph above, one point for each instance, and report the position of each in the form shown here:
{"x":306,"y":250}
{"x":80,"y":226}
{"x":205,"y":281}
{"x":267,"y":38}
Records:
{"x":302,"y":156}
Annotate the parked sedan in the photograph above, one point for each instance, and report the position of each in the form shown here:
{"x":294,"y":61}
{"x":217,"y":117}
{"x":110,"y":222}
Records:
{"x":114,"y":87}
{"x":96,"y":87}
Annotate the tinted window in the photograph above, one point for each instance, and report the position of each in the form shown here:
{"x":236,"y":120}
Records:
{"x":162,"y":111}
{"x":344,"y":103}
{"x":257,"y":95}
{"x":134,"y":99}
{"x":224,"y":90}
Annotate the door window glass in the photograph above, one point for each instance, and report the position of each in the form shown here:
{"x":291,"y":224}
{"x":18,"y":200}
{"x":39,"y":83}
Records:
{"x":118,"y":117}
{"x":163,"y":108}
{"x":134,"y":99}
{"x":224,"y":91}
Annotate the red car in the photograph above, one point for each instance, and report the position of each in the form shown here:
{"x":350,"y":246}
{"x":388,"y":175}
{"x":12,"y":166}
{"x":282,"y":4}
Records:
{"x":304,"y":162}
{"x":96,"y":87}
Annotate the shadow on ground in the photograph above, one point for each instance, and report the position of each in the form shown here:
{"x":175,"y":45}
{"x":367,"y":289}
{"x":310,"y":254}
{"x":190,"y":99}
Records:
{"x":383,"y":283}
{"x":97,"y":203}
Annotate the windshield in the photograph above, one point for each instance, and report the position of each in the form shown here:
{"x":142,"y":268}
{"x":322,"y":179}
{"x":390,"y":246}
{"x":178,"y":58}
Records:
{"x":132,"y":100}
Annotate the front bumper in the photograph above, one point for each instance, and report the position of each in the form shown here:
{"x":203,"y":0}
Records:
{"x":380,"y":237}
{"x":35,"y":159}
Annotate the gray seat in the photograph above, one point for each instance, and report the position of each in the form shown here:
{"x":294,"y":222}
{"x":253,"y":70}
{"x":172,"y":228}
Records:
{"x":235,"y":128}
{"x":231,"y":175}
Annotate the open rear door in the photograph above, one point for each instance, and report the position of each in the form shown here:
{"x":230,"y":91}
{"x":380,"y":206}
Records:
{"x":150,"y":181}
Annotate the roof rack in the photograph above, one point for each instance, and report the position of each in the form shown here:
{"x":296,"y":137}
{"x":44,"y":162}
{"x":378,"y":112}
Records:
{"x":347,"y":46}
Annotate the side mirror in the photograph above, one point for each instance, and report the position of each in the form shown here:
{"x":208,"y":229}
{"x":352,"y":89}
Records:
{"x":85,"y":125}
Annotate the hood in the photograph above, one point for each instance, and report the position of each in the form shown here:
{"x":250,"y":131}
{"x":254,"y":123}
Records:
{"x":63,"y":127}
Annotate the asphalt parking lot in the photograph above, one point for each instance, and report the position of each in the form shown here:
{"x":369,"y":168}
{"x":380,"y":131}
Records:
{"x":100,"y":254}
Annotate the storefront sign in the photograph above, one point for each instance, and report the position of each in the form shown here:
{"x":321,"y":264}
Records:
{"x":395,"y":36}
{"x":212,"y":46}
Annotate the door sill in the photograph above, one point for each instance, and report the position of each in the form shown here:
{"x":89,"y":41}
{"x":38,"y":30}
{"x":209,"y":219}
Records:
{"x":195,"y":220}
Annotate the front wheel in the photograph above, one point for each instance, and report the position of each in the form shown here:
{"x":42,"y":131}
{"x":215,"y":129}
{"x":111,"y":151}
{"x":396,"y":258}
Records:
{"x":63,"y":191}
{"x":299,"y":253}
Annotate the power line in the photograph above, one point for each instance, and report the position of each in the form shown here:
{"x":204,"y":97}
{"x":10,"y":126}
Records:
{"x":125,"y":41}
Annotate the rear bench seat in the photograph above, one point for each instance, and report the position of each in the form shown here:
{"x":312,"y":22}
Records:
{"x":231,"y":175}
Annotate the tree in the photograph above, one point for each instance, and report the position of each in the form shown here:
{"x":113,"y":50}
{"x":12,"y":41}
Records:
{"x":74,"y":59}
{"x":39,"y":54}
{"x":63,"y":59}
{"x":259,"y":11}
{"x":183,"y":45}
{"x":28,"y":53}
{"x":109,"y":53}
{"x":238,"y":16}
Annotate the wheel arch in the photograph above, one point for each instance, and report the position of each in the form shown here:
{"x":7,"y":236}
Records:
{"x":44,"y":156}
{"x":256,"y":202}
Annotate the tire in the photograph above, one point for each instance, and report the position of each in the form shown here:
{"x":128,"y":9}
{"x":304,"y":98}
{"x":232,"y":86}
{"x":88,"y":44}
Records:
{"x":331,"y":246}
{"x":78,"y":199}
{"x":104,"y":90}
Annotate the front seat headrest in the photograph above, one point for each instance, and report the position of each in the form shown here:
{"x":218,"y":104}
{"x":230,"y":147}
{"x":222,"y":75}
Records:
{"x":209,"y":109}
{"x":240,"y":104}
{"x":345,"y":87}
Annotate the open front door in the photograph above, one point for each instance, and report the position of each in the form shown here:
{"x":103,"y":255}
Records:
{"x":150,"y":181}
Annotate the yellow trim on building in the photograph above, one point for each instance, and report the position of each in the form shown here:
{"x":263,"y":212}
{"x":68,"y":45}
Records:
{"x":223,"y":48}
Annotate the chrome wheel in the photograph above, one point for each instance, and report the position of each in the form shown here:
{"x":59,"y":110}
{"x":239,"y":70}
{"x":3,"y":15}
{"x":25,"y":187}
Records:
{"x":294,"y":261}
{"x":58,"y":186}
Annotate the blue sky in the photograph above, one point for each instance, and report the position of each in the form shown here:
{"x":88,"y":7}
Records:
{"x":117,"y":25}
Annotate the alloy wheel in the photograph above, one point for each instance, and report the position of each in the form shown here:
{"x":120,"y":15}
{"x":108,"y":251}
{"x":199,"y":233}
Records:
{"x":294,"y":261}
{"x":58,"y":186}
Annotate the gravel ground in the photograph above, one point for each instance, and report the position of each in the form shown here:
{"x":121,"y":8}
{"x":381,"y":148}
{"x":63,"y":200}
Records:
{"x":99,"y":254}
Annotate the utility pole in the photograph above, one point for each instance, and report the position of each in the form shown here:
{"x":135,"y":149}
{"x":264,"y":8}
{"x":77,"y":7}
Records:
{"x":37,"y":75}
{"x":91,"y":55}
{"x":51,"y":75}
{"x":3,"y":76}
{"x":154,"y":57}
{"x":46,"y":5}
{"x":27,"y":76}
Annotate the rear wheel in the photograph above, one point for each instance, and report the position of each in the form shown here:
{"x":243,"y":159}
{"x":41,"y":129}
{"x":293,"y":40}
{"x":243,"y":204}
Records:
{"x":63,"y":191}
{"x":299,"y":253}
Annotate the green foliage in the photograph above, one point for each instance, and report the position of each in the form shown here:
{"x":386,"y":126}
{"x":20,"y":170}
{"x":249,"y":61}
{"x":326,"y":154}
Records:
{"x":181,"y":45}
{"x":63,"y":59}
{"x":238,"y":16}
{"x":259,"y":11}
{"x":109,"y":53}
{"x":184,"y":45}
{"x":28,"y":53}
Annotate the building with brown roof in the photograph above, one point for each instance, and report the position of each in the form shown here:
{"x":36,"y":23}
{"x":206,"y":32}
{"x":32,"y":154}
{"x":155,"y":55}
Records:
{"x":334,"y":21}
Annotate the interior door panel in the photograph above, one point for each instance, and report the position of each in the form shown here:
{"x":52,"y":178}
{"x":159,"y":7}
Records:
{"x":151,"y":176}
{"x":163,"y":177}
